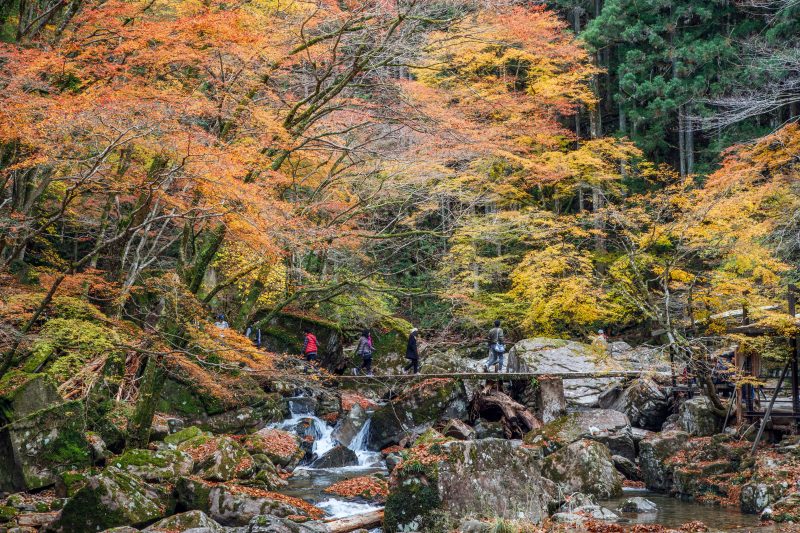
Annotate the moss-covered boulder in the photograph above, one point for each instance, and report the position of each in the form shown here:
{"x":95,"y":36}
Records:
{"x":419,"y":408}
{"x":161,"y":465}
{"x":183,"y":521}
{"x":110,"y":499}
{"x":184,"y":435}
{"x":606,"y":426}
{"x":654,"y":452}
{"x":787,"y":509}
{"x":218,"y":458}
{"x":281,"y":447}
{"x":443,"y":481}
{"x":36,"y":447}
{"x":22,"y":394}
{"x":584,"y":466}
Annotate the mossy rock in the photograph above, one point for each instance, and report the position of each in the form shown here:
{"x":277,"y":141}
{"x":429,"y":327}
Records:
{"x":65,"y":345}
{"x":110,"y":499}
{"x":184,"y":435}
{"x":43,"y":444}
{"x":192,"y":494}
{"x":24,"y":393}
{"x":161,"y":465}
{"x":7,"y":513}
{"x":74,"y":308}
{"x":68,"y":483}
{"x":281,"y":447}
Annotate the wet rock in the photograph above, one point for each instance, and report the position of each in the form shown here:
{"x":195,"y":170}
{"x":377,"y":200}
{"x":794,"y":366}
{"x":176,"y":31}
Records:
{"x":218,"y":458}
{"x":457,"y":429}
{"x":152,"y":465}
{"x":392,"y":460}
{"x":282,"y":448}
{"x":696,"y":417}
{"x":42,"y":444}
{"x":337,"y":457}
{"x":489,"y":477}
{"x":185,"y":521}
{"x":121,"y":529}
{"x":671,"y":423}
{"x":274,"y":524}
{"x":626,"y":467}
{"x":643,"y":402}
{"x":349,"y":426}
{"x":584,"y":466}
{"x":653,"y":453}
{"x":638,"y":504}
{"x":557,"y":355}
{"x":417,"y":410}
{"x":603,"y":425}
{"x":112,"y":498}
{"x":245,"y":418}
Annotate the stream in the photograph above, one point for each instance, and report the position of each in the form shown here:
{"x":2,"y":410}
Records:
{"x":309,"y":483}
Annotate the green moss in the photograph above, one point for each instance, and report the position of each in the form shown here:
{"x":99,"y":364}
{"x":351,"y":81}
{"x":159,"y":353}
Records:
{"x":7,"y":513}
{"x":140,"y":458}
{"x":183,"y":435}
{"x":69,"y":448}
{"x":414,"y":499}
{"x":75,"y":308}
{"x":73,"y":481}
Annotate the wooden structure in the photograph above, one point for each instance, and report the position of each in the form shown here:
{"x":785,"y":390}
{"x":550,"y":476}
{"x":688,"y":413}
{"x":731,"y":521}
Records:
{"x":780,"y":414}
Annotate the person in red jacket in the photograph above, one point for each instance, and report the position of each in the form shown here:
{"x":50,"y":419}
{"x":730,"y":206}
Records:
{"x":309,"y":345}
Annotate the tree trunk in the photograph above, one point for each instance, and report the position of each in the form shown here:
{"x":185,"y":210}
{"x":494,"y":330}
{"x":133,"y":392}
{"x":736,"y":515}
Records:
{"x":599,"y":222}
{"x":356,"y":522}
{"x":149,"y":395}
{"x":204,"y":258}
{"x":494,"y":405}
{"x":689,"y":142}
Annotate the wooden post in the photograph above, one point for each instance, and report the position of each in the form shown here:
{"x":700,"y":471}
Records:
{"x":795,"y":348}
{"x":768,"y":412}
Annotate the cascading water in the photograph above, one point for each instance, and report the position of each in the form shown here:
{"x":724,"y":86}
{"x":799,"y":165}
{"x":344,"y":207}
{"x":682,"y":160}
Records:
{"x":366,"y":458}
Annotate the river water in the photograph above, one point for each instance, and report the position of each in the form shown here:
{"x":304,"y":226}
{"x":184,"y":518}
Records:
{"x":309,"y":484}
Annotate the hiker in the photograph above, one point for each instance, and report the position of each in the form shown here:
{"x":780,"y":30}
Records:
{"x":254,"y":335}
{"x":412,"y":352}
{"x":365,"y":349}
{"x":497,"y":347}
{"x":601,"y":343}
{"x":309,"y":345}
{"x":221,"y":323}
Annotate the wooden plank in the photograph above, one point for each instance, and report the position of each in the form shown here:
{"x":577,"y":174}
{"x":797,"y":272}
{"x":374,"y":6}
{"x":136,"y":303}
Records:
{"x":354,"y":522}
{"x":497,"y":376}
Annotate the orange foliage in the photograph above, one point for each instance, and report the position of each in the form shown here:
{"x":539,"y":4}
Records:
{"x":367,"y":487}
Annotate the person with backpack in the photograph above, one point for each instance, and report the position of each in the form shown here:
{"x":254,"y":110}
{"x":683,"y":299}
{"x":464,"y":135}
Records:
{"x":497,"y":348}
{"x":309,"y":345}
{"x":365,"y":349}
{"x":412,"y":352}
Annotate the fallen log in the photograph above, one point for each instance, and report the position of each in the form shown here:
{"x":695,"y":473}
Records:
{"x":494,"y":406}
{"x":354,"y":522}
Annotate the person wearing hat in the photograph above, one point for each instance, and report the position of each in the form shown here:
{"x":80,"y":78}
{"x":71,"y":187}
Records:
{"x":412,"y":352}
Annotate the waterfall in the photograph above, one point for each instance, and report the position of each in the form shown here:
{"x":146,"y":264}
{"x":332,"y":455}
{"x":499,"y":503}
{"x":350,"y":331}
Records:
{"x":366,"y":458}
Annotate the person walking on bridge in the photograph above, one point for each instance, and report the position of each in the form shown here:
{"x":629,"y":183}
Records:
{"x":310,"y":345}
{"x":412,"y":352}
{"x":365,"y":351}
{"x":497,"y":348}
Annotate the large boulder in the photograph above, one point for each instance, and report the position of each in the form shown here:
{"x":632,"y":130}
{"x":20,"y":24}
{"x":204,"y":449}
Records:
{"x":190,"y":520}
{"x":643,"y":401}
{"x":336,"y":457}
{"x":654,"y":451}
{"x":218,"y":458}
{"x":489,"y":478}
{"x":235,"y":505}
{"x":584,"y":466}
{"x":557,"y":355}
{"x":757,"y":496}
{"x":603,"y":425}
{"x":418,"y":409}
{"x":160,"y":465}
{"x":110,"y":499}
{"x":349,"y":425}
{"x":698,"y":418}
{"x":37,"y":444}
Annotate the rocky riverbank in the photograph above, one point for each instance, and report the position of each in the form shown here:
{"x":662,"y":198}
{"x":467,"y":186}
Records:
{"x":443,"y":455}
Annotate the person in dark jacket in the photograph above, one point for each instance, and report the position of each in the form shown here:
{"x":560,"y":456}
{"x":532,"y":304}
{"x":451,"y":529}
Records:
{"x":365,"y":350}
{"x":496,"y":348}
{"x":412,"y":352}
{"x":309,"y":345}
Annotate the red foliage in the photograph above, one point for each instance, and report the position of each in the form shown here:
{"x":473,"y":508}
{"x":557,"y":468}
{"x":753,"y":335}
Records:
{"x":367,"y":487}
